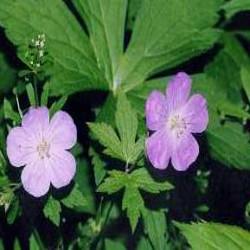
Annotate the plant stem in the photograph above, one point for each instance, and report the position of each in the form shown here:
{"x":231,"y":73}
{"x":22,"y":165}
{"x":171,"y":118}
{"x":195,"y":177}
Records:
{"x":35,"y":89}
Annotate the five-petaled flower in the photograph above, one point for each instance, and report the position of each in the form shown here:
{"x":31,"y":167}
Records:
{"x":174,"y":117}
{"x":41,"y":145}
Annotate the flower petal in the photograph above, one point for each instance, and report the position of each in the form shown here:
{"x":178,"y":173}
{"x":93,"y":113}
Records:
{"x":35,"y":179}
{"x":62,"y":130}
{"x":19,"y":147}
{"x":36,"y":121}
{"x":159,"y":148}
{"x":62,"y":168}
{"x":185,"y":153}
{"x":195,"y":114}
{"x":178,"y":91}
{"x":156,"y":110}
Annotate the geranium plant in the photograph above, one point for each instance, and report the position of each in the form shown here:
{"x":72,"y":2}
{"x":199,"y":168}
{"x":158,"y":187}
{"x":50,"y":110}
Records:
{"x":124,"y":124}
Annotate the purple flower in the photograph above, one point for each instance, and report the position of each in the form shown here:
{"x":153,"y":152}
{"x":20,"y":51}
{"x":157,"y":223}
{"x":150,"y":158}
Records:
{"x":174,"y":117}
{"x":41,"y":146}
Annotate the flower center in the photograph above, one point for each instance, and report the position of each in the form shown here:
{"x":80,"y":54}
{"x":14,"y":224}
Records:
{"x":177,"y":124}
{"x":43,"y":149}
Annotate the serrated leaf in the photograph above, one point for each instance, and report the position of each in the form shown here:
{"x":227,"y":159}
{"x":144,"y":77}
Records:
{"x":52,"y":210}
{"x":74,"y":199}
{"x":214,"y":236}
{"x":143,"y":180}
{"x":234,"y":6}
{"x":106,"y":25}
{"x":165,"y":34}
{"x":108,"y":138}
{"x":133,"y":203}
{"x":127,"y":124}
{"x":116,"y":181}
{"x":132,"y":199}
{"x":74,"y":64}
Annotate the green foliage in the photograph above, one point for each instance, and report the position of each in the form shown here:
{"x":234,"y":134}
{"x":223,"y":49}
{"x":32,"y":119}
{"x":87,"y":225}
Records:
{"x":213,"y":236}
{"x":74,"y":65}
{"x":7,"y":75}
{"x":116,"y":49}
{"x":74,"y":199}
{"x":31,"y":94}
{"x":156,"y":228}
{"x":165,"y":35}
{"x":57,"y":105}
{"x":245,"y":77}
{"x":234,"y":6}
{"x":113,"y":245}
{"x":99,"y":166}
{"x":106,"y":23}
{"x":9,"y":113}
{"x":13,"y":210}
{"x":125,"y":147}
{"x":132,"y":201}
{"x":52,"y":210}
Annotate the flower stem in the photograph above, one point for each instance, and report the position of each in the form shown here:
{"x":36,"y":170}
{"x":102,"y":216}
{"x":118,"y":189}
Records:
{"x":35,"y":89}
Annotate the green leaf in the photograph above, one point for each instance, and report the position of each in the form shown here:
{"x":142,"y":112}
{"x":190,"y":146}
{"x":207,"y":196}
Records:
{"x":9,"y":113}
{"x":245,"y":77}
{"x":7,"y":75}
{"x":45,"y":95}
{"x":144,"y":244}
{"x":58,"y":105}
{"x":127,"y":124}
{"x":52,"y":210}
{"x":31,"y":94}
{"x":133,"y":203}
{"x":74,"y":65}
{"x":99,"y":166}
{"x":17,"y":245}
{"x":143,"y":180}
{"x":165,"y":34}
{"x":13,"y":210}
{"x":234,"y":6}
{"x":230,"y":145}
{"x":108,"y":138}
{"x":84,"y":183}
{"x":132,"y":200}
{"x":156,"y":228}
{"x":227,"y":108}
{"x":113,"y":245}
{"x":116,"y":181}
{"x":34,"y":244}
{"x":74,"y":199}
{"x":133,"y":7}
{"x":105,"y":22}
{"x":214,"y":236}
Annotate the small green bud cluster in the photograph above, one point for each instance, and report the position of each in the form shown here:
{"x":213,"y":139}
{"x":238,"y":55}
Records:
{"x":35,"y":54}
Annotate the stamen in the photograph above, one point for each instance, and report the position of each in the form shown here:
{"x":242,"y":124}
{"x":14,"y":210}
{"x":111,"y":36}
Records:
{"x":43,"y":149}
{"x":177,"y":124}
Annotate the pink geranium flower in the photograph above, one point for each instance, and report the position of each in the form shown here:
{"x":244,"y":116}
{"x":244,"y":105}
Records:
{"x":174,"y":117}
{"x":41,"y":146}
